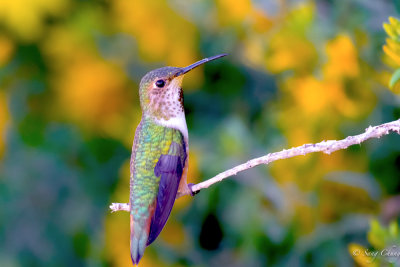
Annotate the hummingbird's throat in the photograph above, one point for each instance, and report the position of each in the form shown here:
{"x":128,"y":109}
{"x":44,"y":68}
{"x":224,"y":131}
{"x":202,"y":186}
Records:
{"x":167,"y":103}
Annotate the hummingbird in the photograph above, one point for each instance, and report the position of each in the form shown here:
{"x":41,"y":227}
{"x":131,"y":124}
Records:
{"x":159,"y":160}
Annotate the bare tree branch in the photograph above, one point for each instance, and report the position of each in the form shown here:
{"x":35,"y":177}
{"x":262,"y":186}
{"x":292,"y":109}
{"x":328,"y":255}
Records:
{"x":119,"y":206}
{"x":324,"y":146}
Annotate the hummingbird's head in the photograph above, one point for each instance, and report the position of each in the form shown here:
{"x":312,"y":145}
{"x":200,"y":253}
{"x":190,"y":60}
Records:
{"x":161,"y":93}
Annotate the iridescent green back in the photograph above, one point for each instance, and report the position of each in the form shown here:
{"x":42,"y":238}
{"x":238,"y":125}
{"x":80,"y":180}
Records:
{"x":151,"y":141}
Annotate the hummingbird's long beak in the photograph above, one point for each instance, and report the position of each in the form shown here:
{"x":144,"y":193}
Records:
{"x":198,"y":63}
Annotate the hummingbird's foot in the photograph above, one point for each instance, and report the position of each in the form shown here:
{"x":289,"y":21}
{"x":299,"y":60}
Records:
{"x":192,"y":193}
{"x":187,"y":191}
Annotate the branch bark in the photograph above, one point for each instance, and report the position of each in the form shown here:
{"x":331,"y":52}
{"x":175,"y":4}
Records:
{"x":326,"y":147}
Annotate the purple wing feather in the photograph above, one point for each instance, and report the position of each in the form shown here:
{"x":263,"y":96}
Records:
{"x":170,"y":168}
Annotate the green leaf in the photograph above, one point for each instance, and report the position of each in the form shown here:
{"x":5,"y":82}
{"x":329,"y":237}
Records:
{"x":394,"y":229}
{"x":377,"y":235}
{"x":395,"y":78}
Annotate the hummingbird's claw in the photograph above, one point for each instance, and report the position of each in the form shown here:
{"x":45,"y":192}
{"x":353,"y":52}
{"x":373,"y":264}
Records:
{"x":192,"y":193}
{"x":187,"y":191}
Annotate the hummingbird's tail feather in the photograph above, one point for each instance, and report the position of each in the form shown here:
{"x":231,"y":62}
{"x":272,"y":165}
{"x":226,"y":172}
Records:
{"x":138,"y":241}
{"x":138,"y":244}
{"x":139,"y":234}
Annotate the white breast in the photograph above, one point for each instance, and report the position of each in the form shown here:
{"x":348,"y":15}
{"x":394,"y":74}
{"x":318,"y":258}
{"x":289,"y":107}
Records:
{"x":177,"y":122}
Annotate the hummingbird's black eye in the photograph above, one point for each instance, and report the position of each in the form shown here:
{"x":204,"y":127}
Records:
{"x":160,"y":83}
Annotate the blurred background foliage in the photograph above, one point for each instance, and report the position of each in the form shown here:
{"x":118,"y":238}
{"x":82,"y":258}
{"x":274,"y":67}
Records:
{"x":298,"y":72}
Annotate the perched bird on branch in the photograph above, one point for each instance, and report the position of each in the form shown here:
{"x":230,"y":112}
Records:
{"x":159,"y":160}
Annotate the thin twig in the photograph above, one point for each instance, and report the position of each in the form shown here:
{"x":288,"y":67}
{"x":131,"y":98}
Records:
{"x":324,"y":146}
{"x":119,"y":206}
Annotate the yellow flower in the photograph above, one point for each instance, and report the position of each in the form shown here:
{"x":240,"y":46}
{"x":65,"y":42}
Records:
{"x":342,"y":58}
{"x":360,"y":256}
{"x":3,"y":120}
{"x":392,"y":47}
{"x":231,"y":12}
{"x":161,"y":33}
{"x":393,"y":28}
{"x":6,"y":50}
{"x":288,"y":51}
{"x":26,"y":19}
{"x":260,"y":22}
{"x":316,"y":96}
{"x":392,"y":51}
{"x":92,"y":93}
{"x":289,"y":48}
{"x":311,"y":94}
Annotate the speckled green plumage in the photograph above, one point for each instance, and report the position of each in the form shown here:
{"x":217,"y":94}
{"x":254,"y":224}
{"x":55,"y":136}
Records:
{"x":151,"y":141}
